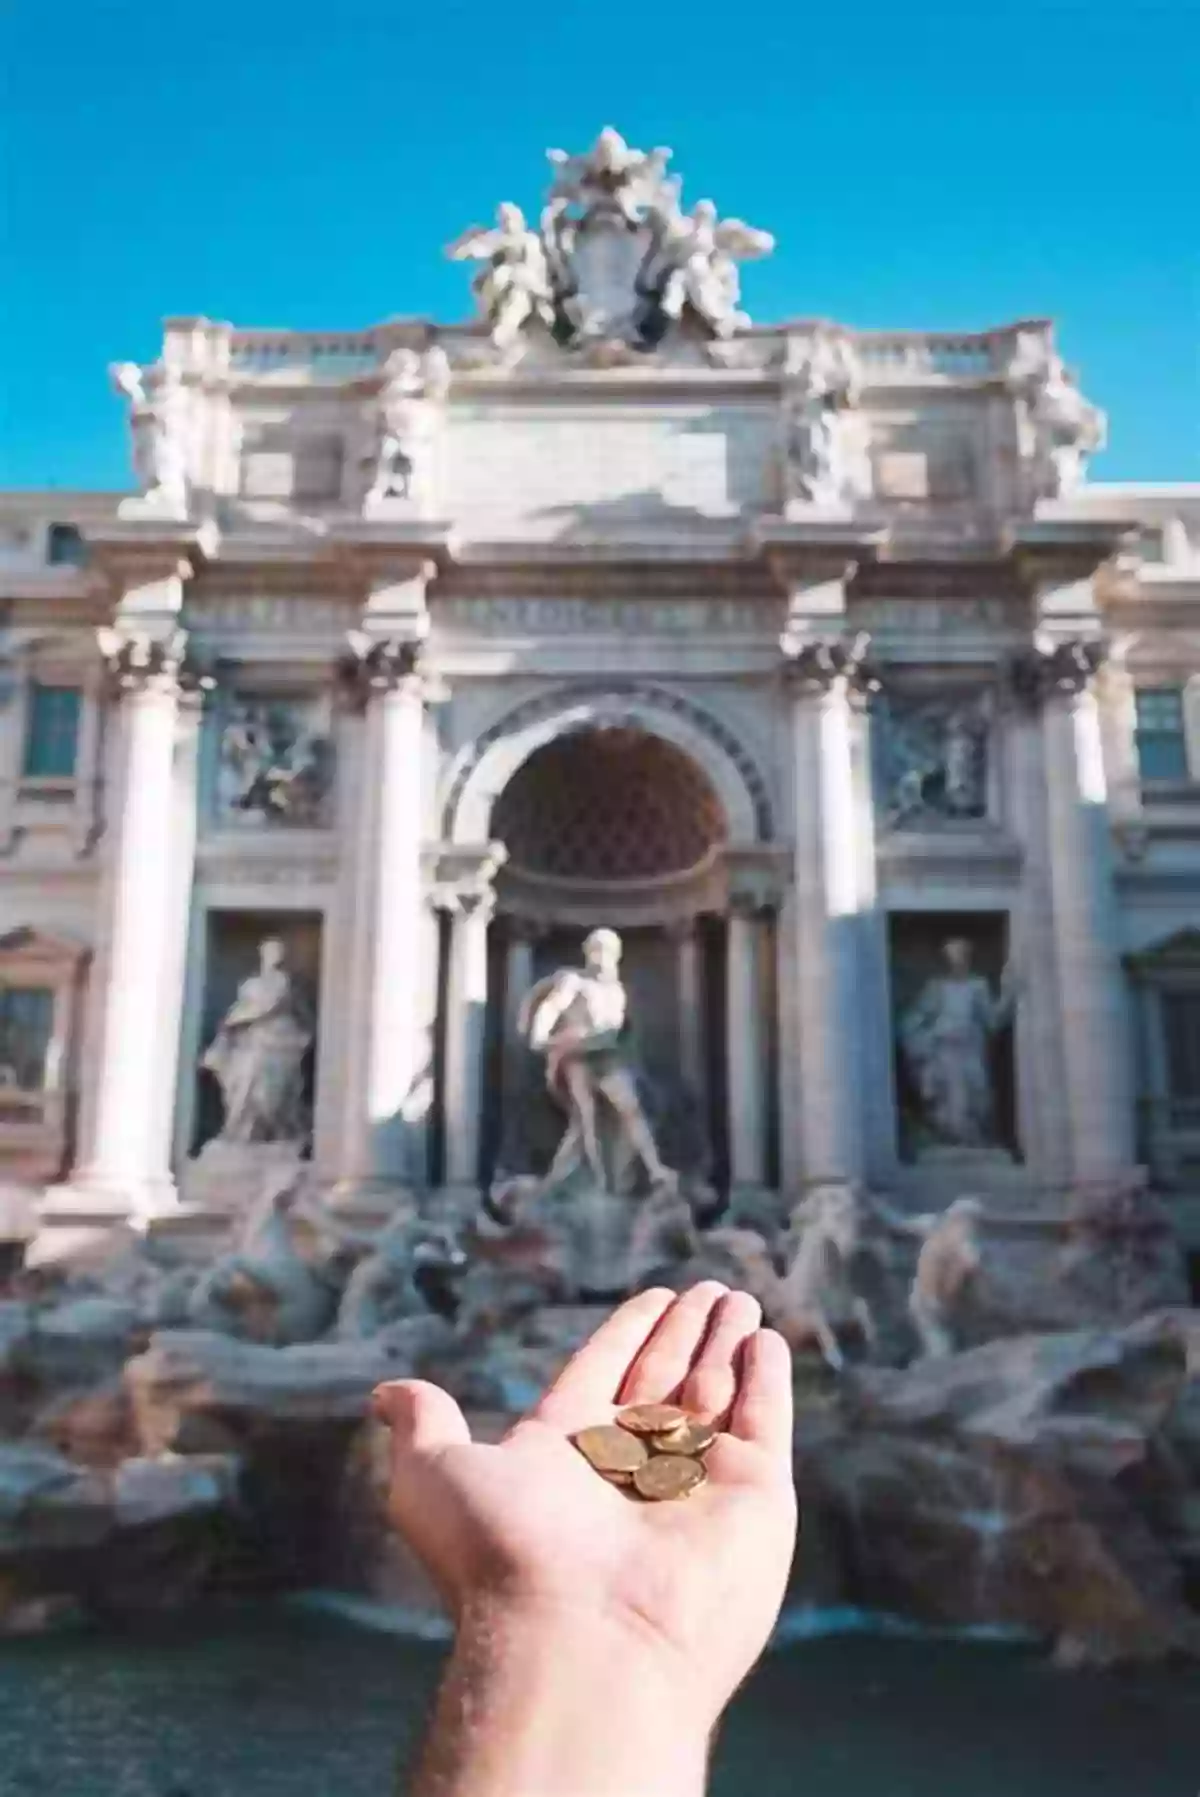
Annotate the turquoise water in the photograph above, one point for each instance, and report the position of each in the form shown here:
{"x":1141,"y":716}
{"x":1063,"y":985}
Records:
{"x":284,"y":1703}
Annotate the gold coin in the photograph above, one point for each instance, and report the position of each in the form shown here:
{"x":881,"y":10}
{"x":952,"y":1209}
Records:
{"x":669,"y":1476}
{"x":691,"y":1438}
{"x":611,"y":1450}
{"x":652,"y":1419}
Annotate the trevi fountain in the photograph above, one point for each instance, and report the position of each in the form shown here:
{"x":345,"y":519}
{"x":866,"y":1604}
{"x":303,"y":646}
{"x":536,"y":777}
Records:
{"x":608,"y":794}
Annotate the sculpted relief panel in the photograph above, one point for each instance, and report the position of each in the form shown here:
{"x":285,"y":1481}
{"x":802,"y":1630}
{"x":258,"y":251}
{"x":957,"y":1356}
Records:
{"x":932,"y":758}
{"x":275,"y":764}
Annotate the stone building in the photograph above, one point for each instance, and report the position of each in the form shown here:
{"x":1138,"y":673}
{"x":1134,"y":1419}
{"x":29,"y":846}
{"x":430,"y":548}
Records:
{"x":805,"y":657}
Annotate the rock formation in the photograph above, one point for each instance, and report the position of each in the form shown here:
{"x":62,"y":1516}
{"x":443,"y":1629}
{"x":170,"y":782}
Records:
{"x":1040,"y":1473}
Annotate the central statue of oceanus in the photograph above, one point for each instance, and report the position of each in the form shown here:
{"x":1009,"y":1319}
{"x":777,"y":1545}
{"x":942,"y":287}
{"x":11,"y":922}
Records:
{"x":578,"y":1019}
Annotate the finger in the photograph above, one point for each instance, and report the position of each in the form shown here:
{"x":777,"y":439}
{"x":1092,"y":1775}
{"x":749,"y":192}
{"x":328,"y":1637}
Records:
{"x":666,"y":1359}
{"x":709,"y":1388}
{"x":424,"y":1421}
{"x":762,"y":1410}
{"x":589,"y":1383}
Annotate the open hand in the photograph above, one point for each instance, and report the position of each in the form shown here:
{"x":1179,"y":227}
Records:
{"x":526,"y":1523}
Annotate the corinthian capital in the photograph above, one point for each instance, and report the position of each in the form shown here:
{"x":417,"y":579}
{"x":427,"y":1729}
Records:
{"x":817,"y":663}
{"x":374,"y":664}
{"x":1048,"y":667}
{"x":138,"y":661}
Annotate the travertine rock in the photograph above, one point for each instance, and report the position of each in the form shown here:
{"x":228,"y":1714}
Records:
{"x":184,"y":1373}
{"x":1014,"y":1484}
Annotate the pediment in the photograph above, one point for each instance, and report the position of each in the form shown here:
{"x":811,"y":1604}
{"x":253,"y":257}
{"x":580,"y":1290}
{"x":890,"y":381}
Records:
{"x":1182,"y":949}
{"x":27,"y":948}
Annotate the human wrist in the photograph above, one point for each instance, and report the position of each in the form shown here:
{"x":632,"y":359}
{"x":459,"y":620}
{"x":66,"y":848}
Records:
{"x":542,"y":1698}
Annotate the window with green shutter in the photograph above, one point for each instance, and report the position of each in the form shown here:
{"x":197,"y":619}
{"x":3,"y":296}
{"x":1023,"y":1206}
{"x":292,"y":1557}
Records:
{"x":52,"y":732}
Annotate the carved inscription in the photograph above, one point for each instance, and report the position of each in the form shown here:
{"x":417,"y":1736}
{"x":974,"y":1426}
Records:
{"x":932,"y":615}
{"x":507,"y":615}
{"x":267,"y":611}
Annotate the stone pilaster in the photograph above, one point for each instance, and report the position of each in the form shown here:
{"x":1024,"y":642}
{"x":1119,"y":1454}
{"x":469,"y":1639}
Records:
{"x":387,"y":1086}
{"x":123,"y":1166}
{"x":745,"y":1046}
{"x":1056,"y":678}
{"x":826,"y":676}
{"x":466,"y":1017}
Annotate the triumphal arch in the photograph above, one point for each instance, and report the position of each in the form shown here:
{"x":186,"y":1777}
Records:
{"x":804,"y":658}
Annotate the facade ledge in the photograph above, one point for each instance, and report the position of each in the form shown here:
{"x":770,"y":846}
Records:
{"x":964,"y":852}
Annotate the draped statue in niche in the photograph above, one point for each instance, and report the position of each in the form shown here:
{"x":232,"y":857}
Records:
{"x":257,"y":1056}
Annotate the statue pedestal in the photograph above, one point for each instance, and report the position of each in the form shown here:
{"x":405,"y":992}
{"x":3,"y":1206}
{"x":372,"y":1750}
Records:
{"x":226,"y":1177}
{"x":599,"y":1230}
{"x":942,"y":1173}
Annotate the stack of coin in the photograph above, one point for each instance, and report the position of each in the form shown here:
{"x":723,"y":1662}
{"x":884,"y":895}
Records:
{"x":654,"y":1450}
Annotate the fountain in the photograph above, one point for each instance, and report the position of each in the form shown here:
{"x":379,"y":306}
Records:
{"x":998,"y":1423}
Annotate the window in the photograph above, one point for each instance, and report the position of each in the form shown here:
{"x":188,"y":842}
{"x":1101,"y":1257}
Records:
{"x":65,"y":547}
{"x":52,"y":732}
{"x":1161,"y":743}
{"x":1181,"y":1040}
{"x":26,"y":1027}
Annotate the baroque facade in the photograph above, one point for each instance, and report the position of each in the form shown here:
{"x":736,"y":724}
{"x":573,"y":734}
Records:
{"x":806,"y":658}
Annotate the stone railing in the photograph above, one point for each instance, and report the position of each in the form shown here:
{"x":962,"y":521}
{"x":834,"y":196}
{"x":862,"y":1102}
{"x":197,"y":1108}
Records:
{"x":325,"y":354}
{"x":966,"y":354}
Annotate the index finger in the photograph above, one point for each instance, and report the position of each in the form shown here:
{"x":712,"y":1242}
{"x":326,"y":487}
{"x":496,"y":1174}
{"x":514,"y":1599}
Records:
{"x":591,"y":1379}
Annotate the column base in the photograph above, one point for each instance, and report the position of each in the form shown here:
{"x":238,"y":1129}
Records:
{"x":99,"y":1199}
{"x":79,"y":1214}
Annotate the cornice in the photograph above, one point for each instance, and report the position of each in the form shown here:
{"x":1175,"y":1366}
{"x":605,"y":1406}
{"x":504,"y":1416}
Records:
{"x":1043,"y":549}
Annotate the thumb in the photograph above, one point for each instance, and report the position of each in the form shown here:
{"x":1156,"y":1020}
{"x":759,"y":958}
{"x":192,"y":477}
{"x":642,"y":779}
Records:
{"x":424,"y":1420}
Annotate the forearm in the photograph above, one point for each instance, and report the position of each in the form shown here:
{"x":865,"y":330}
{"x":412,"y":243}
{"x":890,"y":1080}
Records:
{"x":532,"y":1706}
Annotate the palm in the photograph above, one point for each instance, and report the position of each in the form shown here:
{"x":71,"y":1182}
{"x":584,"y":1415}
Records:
{"x":529,"y":1516}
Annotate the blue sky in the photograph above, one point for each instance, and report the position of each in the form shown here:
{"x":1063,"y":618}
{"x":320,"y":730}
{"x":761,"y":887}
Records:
{"x":924,"y":165}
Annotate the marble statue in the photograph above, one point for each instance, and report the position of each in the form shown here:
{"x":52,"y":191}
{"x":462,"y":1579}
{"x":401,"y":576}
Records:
{"x":384,"y":1287}
{"x":273,"y":768}
{"x":693,"y":266}
{"x":578,"y":1019}
{"x":1059,"y":428}
{"x":612,"y":176}
{"x":827,"y":435}
{"x":936,"y":754}
{"x":514,"y":288}
{"x":950,"y":1256}
{"x":615,"y":261}
{"x":257,"y":1056}
{"x":817,"y":1296}
{"x":157,"y":420}
{"x":945,"y":1037}
{"x":264,"y":1288}
{"x":412,"y":384}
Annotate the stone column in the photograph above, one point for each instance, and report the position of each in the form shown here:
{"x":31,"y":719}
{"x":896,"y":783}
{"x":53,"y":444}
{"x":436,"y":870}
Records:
{"x":685,"y":935}
{"x":745,"y":1047}
{"x":1094,"y":1010}
{"x":125,"y":1127}
{"x":518,"y":975}
{"x":466,"y":1014}
{"x":384,"y":1136}
{"x":826,"y":675}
